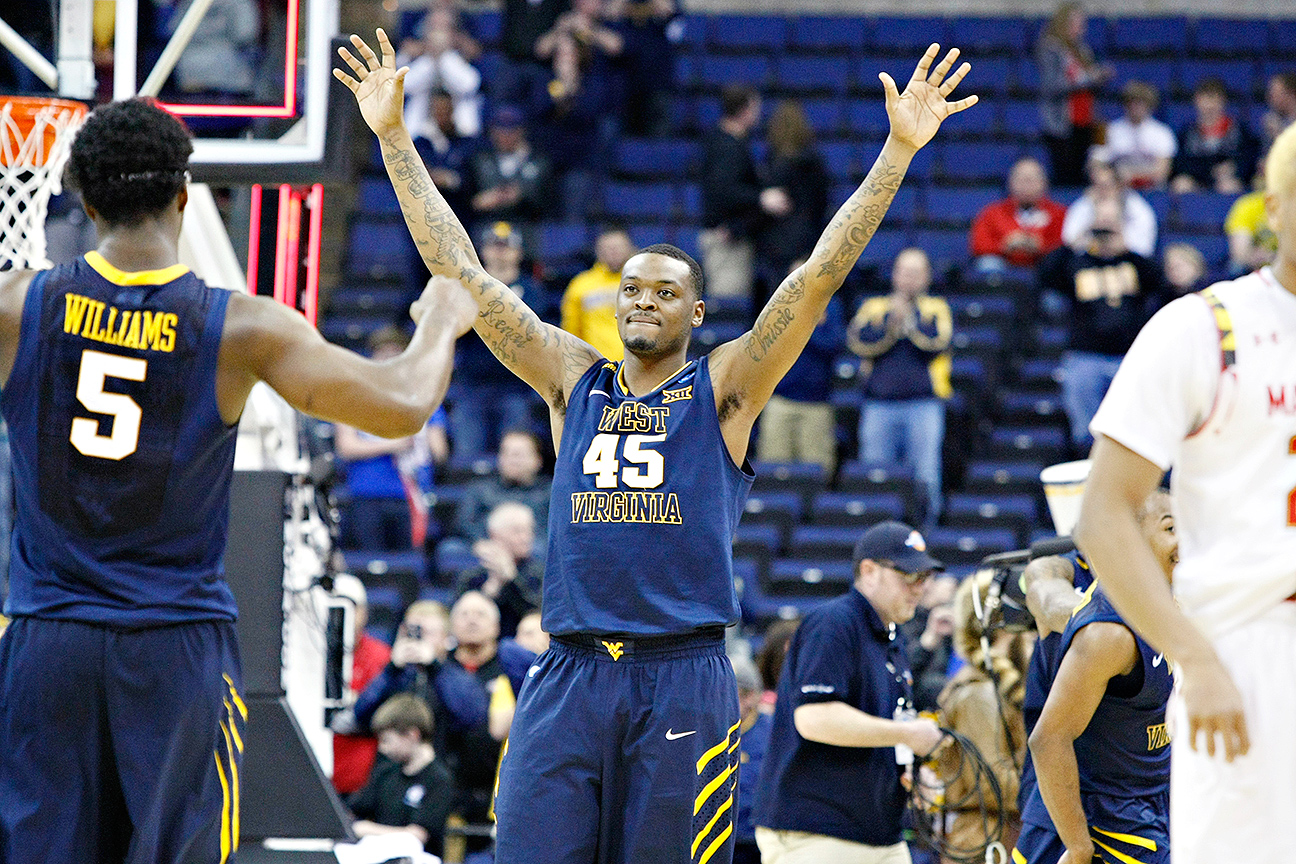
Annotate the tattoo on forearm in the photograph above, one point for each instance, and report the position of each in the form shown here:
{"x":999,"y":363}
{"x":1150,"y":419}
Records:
{"x":856,"y":221}
{"x":775,"y":318}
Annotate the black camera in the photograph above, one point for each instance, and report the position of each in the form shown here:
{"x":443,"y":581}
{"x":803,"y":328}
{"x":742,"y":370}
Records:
{"x":1005,"y":606}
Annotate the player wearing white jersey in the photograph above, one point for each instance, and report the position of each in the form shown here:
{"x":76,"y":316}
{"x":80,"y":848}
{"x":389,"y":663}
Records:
{"x":1209,"y":389}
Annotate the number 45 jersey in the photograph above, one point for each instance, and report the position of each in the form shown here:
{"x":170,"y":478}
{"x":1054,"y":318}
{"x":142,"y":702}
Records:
{"x":121,"y":460}
{"x":646,"y":499}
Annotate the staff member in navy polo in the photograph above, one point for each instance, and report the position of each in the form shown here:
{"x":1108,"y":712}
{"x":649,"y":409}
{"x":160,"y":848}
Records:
{"x":830,"y":787}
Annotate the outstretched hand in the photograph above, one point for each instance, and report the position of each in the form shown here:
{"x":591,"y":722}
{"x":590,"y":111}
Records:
{"x":379,"y":87}
{"x":448,"y":300}
{"x":917,"y":113}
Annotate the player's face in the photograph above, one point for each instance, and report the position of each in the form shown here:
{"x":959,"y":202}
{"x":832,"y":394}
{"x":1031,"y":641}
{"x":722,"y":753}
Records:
{"x":1159,"y":531}
{"x":656,"y":310}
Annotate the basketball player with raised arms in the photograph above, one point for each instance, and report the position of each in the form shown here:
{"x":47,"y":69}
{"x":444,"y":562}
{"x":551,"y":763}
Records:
{"x":1209,"y":390}
{"x":625,"y":742}
{"x":123,"y":378}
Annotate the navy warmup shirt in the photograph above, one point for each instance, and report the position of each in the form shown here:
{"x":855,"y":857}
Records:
{"x":842,"y":652}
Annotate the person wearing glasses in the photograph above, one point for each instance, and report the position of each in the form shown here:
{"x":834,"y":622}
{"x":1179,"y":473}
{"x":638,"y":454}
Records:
{"x":845,"y":732}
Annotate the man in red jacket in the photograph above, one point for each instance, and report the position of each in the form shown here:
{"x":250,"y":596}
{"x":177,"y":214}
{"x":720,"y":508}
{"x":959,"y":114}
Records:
{"x":1021,"y":229}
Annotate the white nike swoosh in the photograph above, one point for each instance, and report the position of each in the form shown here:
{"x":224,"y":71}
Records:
{"x":672,"y":736}
{"x":1156,"y":661}
{"x":599,"y":392}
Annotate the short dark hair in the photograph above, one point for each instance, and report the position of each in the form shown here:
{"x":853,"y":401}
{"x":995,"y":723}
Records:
{"x":734,"y":98}
{"x":130,"y":160}
{"x":1288,"y":81}
{"x":404,"y":712}
{"x":1212,"y":86}
{"x":695,"y":269}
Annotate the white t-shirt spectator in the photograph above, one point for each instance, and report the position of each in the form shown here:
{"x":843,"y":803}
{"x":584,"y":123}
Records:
{"x":1140,"y":223}
{"x":449,"y":72}
{"x":1135,"y":149}
{"x":1226,"y":428}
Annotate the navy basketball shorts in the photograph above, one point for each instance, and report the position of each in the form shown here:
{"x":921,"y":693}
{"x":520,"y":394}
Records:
{"x":622,"y":751}
{"x":119,"y":746}
{"x":1122,"y":830}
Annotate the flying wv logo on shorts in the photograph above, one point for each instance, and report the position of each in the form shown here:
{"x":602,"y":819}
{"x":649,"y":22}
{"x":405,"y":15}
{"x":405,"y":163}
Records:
{"x":614,"y":648}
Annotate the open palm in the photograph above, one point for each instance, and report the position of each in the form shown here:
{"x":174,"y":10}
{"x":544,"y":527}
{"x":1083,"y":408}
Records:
{"x":379,"y":87}
{"x":917,"y":113}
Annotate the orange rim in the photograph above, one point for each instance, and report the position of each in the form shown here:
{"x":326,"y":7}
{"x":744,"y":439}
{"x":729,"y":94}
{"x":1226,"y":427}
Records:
{"x":23,"y":113}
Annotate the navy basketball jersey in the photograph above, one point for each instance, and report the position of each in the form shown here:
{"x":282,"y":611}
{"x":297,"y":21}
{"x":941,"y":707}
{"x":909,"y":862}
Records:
{"x":646,"y":499}
{"x":121,"y":460}
{"x":1039,"y":675}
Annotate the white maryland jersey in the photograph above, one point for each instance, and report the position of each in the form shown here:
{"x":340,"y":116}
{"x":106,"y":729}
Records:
{"x":1209,"y":388}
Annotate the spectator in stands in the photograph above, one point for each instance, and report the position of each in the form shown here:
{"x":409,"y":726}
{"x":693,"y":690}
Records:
{"x":930,"y":638}
{"x":797,"y":168}
{"x":798,"y":423}
{"x":769,"y":659}
{"x":1069,"y":77}
{"x":735,"y":198}
{"x":1280,"y":96}
{"x":1140,"y":226}
{"x":434,"y":64}
{"x":523,"y":23}
{"x":220,"y":59}
{"x":445,"y":15}
{"x":419,"y":666}
{"x":411,"y":789}
{"x":1216,"y":151}
{"x":576,"y":115}
{"x":1021,"y":229}
{"x":530,"y":633}
{"x":904,"y":340}
{"x":1252,"y":243}
{"x":983,"y":702}
{"x":1140,"y":146}
{"x":1113,"y":291}
{"x":498,"y":668}
{"x":486,"y":399}
{"x":517,"y":479}
{"x":353,"y":754}
{"x":511,"y":571}
{"x":648,"y":62}
{"x":510,"y":180}
{"x":589,"y":303}
{"x":447,"y":154}
{"x":1184,"y":268}
{"x":388,"y":477}
{"x":754,"y":730}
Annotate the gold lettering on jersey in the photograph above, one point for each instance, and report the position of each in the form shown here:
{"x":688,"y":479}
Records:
{"x":1158,"y":736}
{"x":146,"y":331}
{"x":1112,"y":284}
{"x":614,"y":648}
{"x":651,"y":508}
{"x":669,"y":396}
{"x":633,"y":417}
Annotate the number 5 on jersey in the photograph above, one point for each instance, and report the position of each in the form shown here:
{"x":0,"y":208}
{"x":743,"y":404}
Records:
{"x":601,"y":461}
{"x":96,"y":368}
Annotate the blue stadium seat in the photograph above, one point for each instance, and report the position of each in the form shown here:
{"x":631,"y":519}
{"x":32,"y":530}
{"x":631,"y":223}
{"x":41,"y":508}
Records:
{"x":865,"y":478}
{"x":1227,"y":37}
{"x":1002,"y":476}
{"x":1142,"y":35}
{"x":759,"y":543}
{"x":981,"y":309}
{"x":841,"y":158}
{"x":657,"y":157}
{"x":1202,"y":211}
{"x":760,"y":608}
{"x":967,"y":546}
{"x":973,"y":123}
{"x":689,"y":196}
{"x":782,"y":509}
{"x":825,"y":116}
{"x":1047,"y":444}
{"x":376,"y":197}
{"x":991,"y":34}
{"x":748,"y":33}
{"x":639,"y":201}
{"x":452,"y":559}
{"x":867,"y":117}
{"x":904,"y":206}
{"x":856,"y":509}
{"x":687,"y":71}
{"x":1041,"y":374}
{"x":486,"y":26}
{"x":564,"y":240}
{"x":1239,"y":76}
{"x":686,"y":238}
{"x":720,"y":71}
{"x":908,"y":37}
{"x":1016,"y":407}
{"x":1050,"y":340}
{"x":1018,"y":512}
{"x":944,"y":247}
{"x":1021,"y":119}
{"x":1025,"y":76}
{"x":886,"y":244}
{"x":803,"y":478}
{"x":648,"y":233}
{"x":1282,"y":36}
{"x":1161,"y":74}
{"x":982,"y":162}
{"x":985,"y":342}
{"x":828,"y":33}
{"x":832,"y":542}
{"x":693,"y":31}
{"x":360,"y":297}
{"x":378,"y":249}
{"x":988,"y":76}
{"x":1213,"y":246}
{"x":713,"y":333}
{"x":792,"y":577}
{"x":970,"y":374}
{"x":958,"y":206}
{"x":812,"y":74}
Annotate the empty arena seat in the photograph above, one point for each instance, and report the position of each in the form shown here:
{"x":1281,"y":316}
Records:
{"x":907,"y":37}
{"x":822,"y":74}
{"x":957,"y":206}
{"x":653,"y":158}
{"x":824,"y":114}
{"x":1017,"y":407}
{"x":1202,"y":211}
{"x":810,"y":577}
{"x":802,"y":478}
{"x":833,"y":542}
{"x":782,"y":509}
{"x":1002,"y":476}
{"x":1148,"y":35}
{"x":992,"y":34}
{"x":967,"y":546}
{"x":1018,"y":512}
{"x":1231,"y":37}
{"x":1046,"y":444}
{"x":814,"y":33}
{"x":747,"y":32}
{"x":857,"y":510}
{"x":716,"y":72}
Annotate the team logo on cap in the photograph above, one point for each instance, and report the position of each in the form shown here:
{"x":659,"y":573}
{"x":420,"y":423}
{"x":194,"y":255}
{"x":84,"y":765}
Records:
{"x":916,"y":541}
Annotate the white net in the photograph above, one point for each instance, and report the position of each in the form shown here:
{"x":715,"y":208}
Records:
{"x":35,"y":141}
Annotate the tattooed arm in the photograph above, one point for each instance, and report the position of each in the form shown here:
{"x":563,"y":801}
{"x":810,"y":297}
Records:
{"x":545,"y":357}
{"x":746,"y":370}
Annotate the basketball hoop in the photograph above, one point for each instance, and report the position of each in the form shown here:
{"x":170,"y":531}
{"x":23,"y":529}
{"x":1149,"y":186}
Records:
{"x":35,"y":141}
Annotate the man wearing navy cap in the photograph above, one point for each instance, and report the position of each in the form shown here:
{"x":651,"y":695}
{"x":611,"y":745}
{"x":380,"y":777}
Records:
{"x":844,"y":731}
